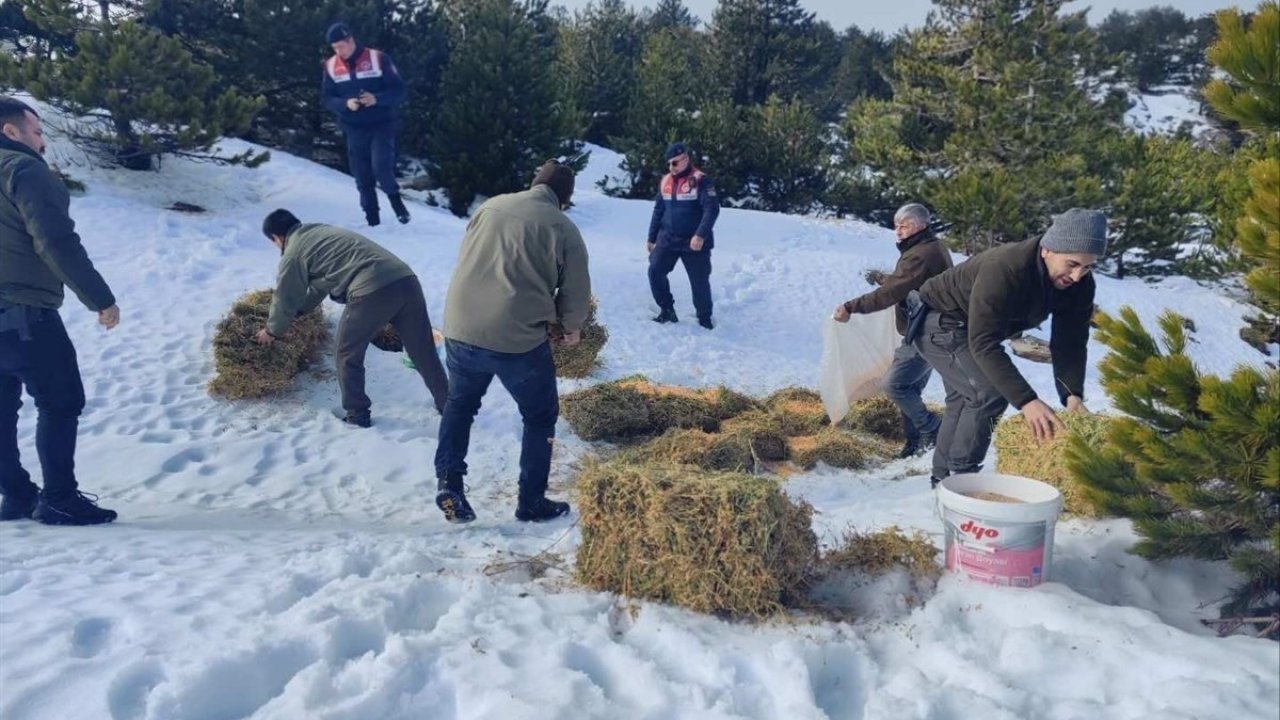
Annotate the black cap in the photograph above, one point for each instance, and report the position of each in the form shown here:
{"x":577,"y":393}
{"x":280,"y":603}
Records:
{"x":337,"y":31}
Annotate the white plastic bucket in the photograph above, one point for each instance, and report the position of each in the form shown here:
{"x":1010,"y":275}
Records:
{"x":1001,"y":543}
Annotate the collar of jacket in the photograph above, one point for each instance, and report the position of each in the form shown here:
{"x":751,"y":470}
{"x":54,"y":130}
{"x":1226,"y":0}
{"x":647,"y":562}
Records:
{"x":548,"y":195}
{"x":14,"y":145}
{"x":689,"y":170}
{"x":919,"y":238}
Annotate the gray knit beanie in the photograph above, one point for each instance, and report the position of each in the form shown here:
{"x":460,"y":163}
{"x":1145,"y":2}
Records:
{"x":1077,"y":231}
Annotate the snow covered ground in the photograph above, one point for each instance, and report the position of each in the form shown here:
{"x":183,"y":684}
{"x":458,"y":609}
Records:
{"x":271,"y":563}
{"x":1165,"y":110}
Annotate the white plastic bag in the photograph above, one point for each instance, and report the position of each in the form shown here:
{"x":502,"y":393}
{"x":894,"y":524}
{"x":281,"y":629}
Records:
{"x":855,"y":358}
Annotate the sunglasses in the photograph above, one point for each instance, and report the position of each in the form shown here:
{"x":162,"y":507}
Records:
{"x":675,"y":162}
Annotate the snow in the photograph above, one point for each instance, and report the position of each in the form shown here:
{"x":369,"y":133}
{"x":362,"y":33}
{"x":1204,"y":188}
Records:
{"x":271,"y":563}
{"x":1165,"y":110}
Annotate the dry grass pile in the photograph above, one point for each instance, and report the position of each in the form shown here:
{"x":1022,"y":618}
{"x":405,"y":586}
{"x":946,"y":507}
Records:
{"x":633,"y":407}
{"x":877,"y":416}
{"x":879,"y":552}
{"x":763,"y":432}
{"x":709,"y":451}
{"x":723,"y":543}
{"x":799,"y":411}
{"x":1018,"y":453}
{"x":388,"y":340}
{"x":246,"y":369}
{"x":837,"y":448}
{"x":582,"y":359}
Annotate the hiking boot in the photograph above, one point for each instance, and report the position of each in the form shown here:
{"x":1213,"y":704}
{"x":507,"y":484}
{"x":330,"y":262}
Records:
{"x":75,"y":509}
{"x":19,"y":506}
{"x":928,"y":440}
{"x":933,"y":482}
{"x":451,"y":498}
{"x":397,"y":205}
{"x":541,"y":510}
{"x":373,"y":217}
{"x":911,"y":449}
{"x":707,"y":323}
{"x":360,"y":420}
{"x":668,"y":315}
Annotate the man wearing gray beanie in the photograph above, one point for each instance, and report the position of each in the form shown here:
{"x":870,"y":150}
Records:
{"x":962,"y":317}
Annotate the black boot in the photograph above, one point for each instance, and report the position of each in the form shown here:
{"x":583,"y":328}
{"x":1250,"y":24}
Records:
{"x":451,"y":498}
{"x":540,"y":510}
{"x":373,"y":217}
{"x":910,"y":449}
{"x":668,"y":315}
{"x":928,"y":440}
{"x":19,"y":506}
{"x":75,"y":509}
{"x":360,"y":420}
{"x":397,"y":205}
{"x":706,"y":323}
{"x":933,"y":482}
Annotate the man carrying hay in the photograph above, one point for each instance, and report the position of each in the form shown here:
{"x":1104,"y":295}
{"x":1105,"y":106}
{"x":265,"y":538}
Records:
{"x":970,"y":310}
{"x":522,"y":269}
{"x":377,"y":287}
{"x":42,"y":254}
{"x":921,"y":257}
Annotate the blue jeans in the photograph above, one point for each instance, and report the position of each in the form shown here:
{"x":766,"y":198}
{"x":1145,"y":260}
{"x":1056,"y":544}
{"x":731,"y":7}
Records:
{"x":46,"y":365}
{"x":371,"y":153}
{"x":530,"y":378}
{"x":904,"y":385}
{"x":697,"y":265}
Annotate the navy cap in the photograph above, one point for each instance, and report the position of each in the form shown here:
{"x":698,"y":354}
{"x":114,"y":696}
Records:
{"x":337,"y":31}
{"x":676,"y":149}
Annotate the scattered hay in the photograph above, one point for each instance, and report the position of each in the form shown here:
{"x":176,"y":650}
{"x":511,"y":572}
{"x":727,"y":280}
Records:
{"x":878,"y":416}
{"x":722,"y":543}
{"x":837,"y":448}
{"x":634,"y":407}
{"x":246,"y":369}
{"x":388,"y":340}
{"x":582,"y":359}
{"x":1018,"y":453}
{"x":879,"y":552}
{"x":709,"y":451}
{"x":799,"y":411}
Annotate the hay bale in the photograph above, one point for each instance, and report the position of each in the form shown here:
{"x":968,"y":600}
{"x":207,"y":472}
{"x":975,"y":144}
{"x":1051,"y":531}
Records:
{"x":582,"y":359}
{"x":837,"y":448}
{"x":879,"y":552}
{"x":246,"y":369}
{"x":722,"y":543}
{"x":763,"y":432}
{"x":388,"y":340}
{"x":633,"y":407}
{"x":799,"y":410}
{"x":1018,"y":453}
{"x":709,"y":451}
{"x":877,"y":416}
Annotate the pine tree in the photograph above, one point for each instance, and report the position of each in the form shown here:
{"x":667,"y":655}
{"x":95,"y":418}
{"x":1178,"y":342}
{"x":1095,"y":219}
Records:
{"x":1251,"y":97}
{"x":144,"y":95}
{"x":500,"y":117}
{"x":990,"y":87}
{"x":599,"y":52}
{"x":1196,"y":465}
{"x":670,"y":90}
{"x":1161,"y":204}
{"x":791,"y":167}
{"x":771,"y":47}
{"x":670,"y":15}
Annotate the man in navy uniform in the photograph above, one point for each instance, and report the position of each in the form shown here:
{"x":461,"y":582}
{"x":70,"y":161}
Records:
{"x":681,"y":230}
{"x":362,"y":87}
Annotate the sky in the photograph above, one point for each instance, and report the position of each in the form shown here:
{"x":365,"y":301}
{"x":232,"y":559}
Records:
{"x":888,"y":17}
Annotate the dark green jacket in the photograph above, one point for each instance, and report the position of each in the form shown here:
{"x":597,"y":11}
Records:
{"x":922,"y":257}
{"x":323,"y":260}
{"x":40,"y":251}
{"x":522,"y":266}
{"x":1004,"y":291}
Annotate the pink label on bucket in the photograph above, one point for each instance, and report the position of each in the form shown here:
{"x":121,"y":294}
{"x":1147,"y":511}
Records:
{"x":1016,"y":568}
{"x":994,"y":551}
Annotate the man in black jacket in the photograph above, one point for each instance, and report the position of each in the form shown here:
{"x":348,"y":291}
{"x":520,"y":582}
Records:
{"x":41,"y":253}
{"x":977,"y":305}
